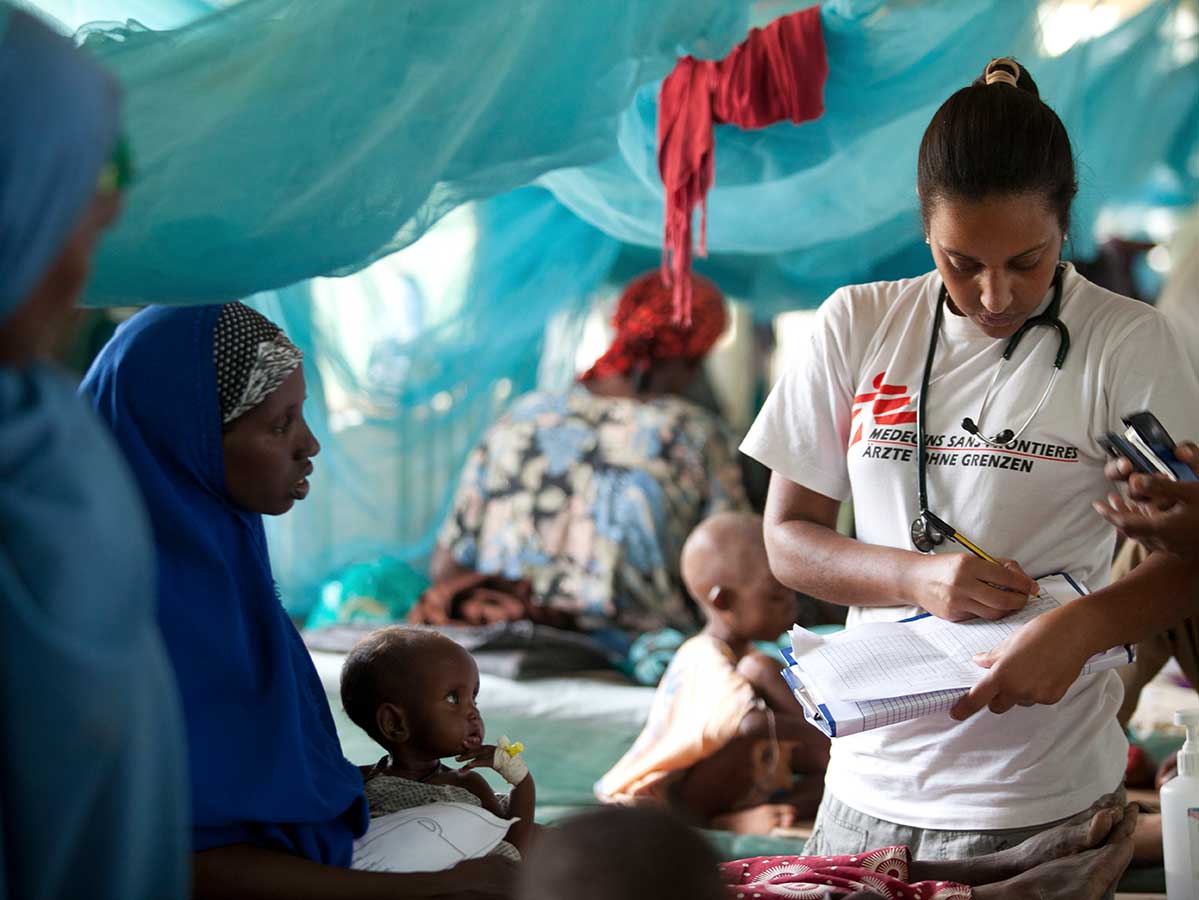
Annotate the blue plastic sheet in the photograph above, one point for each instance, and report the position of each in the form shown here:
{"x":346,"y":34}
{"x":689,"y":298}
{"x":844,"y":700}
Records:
{"x":399,"y":399}
{"x":796,"y":212}
{"x":69,"y":15}
{"x":833,"y":201}
{"x":278,"y":140}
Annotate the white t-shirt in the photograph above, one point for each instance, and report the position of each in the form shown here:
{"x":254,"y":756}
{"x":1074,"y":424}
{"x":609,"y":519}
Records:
{"x":842,"y":422}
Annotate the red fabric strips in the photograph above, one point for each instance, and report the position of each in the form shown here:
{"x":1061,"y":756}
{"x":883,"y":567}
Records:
{"x":777,"y":73}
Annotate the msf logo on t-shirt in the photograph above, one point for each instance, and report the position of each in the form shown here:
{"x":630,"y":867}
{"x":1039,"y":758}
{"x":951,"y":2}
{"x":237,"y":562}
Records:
{"x":887,"y":405}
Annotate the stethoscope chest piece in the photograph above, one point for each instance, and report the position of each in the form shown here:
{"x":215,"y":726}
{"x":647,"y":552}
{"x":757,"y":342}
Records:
{"x":924,"y":536}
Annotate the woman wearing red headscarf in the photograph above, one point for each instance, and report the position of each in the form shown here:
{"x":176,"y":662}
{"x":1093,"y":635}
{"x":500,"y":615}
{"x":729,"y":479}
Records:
{"x":589,"y":495}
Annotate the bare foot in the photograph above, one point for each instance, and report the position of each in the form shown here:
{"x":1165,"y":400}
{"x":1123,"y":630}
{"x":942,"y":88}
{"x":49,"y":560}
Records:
{"x":1081,"y":832}
{"x":1084,"y":876}
{"x":1084,"y":831}
{"x":757,"y":819}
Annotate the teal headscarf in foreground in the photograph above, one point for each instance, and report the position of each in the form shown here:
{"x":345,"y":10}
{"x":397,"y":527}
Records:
{"x":58,"y":127}
{"x":92,"y":768}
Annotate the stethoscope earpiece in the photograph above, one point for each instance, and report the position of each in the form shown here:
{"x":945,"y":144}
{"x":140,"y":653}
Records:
{"x":1005,"y":437}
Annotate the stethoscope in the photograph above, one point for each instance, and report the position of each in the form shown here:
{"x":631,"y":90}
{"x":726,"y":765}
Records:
{"x":929,"y":530}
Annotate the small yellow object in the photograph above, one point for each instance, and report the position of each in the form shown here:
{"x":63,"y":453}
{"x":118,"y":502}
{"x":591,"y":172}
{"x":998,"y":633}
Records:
{"x":513,"y":748}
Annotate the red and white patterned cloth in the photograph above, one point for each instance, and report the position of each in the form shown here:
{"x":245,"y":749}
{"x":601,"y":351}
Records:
{"x":884,"y":872}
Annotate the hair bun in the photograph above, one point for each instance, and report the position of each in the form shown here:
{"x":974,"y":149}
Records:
{"x":1003,"y":70}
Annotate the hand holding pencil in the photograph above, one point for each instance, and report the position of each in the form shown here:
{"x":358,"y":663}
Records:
{"x":984,"y":555}
{"x":957,"y":586}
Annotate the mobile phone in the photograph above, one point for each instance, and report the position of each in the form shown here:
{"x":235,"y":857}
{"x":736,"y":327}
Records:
{"x":1116,"y":445}
{"x":1157,"y":440}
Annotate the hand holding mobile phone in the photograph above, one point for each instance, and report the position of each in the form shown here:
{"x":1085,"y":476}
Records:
{"x":1148,"y":446}
{"x":1157,"y":440}
{"x":1160,"y":513}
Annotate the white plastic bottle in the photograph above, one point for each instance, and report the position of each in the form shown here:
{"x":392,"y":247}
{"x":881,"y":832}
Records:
{"x":1180,"y":815}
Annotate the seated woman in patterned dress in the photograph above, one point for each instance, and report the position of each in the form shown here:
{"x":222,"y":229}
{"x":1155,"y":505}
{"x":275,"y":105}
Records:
{"x":589,"y":495}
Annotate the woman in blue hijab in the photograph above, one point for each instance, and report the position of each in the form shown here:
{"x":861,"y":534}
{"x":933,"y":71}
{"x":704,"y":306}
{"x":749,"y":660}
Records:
{"x":92,"y":771}
{"x":206,"y":403}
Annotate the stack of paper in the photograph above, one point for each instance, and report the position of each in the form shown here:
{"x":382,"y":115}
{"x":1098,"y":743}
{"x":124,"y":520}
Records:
{"x":881,"y":673}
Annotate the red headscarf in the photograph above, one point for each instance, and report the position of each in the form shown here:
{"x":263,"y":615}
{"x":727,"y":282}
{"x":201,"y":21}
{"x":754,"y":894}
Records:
{"x":647,"y":329}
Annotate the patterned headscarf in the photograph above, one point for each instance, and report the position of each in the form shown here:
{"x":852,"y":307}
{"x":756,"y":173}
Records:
{"x":647,"y":330}
{"x":253,"y":357}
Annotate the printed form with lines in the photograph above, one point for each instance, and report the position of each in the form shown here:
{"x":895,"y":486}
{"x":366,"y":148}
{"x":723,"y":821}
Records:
{"x":893,"y":659}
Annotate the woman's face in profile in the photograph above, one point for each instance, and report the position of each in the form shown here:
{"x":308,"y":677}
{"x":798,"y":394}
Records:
{"x":996,"y":256}
{"x":268,"y":451}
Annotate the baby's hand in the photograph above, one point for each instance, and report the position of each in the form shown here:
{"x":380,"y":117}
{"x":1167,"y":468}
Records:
{"x":503,"y":757}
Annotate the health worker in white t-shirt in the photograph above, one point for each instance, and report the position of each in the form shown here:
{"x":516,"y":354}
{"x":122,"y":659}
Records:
{"x":1012,"y":460}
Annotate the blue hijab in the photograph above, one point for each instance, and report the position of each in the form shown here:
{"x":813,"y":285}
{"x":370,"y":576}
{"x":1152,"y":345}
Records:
{"x":58,"y":127}
{"x":93,"y":781}
{"x":266,"y":765}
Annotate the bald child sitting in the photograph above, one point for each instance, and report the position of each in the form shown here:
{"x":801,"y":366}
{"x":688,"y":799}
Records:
{"x":726,"y":743}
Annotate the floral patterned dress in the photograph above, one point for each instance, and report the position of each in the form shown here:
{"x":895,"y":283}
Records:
{"x":591,"y":498}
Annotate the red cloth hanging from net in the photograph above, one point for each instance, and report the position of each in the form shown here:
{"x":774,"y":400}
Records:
{"x":775,"y":74}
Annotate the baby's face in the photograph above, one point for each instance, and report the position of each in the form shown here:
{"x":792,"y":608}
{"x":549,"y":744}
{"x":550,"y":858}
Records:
{"x":764,"y":608}
{"x":446,"y":721}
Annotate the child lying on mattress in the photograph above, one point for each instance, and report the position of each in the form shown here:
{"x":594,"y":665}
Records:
{"x":414,"y":693}
{"x":726,"y":742}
